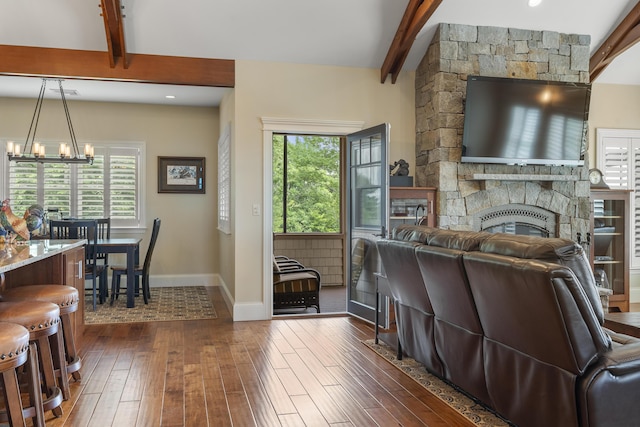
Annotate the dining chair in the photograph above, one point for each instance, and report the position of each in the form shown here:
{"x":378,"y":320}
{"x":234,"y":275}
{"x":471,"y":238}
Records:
{"x":104,"y":232}
{"x":142,"y":271}
{"x":84,"y":229}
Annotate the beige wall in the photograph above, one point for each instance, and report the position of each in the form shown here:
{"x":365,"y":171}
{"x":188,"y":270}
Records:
{"x":186,"y":245}
{"x":612,"y":107}
{"x":302,"y":92}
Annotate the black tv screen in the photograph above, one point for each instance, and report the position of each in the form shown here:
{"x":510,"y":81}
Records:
{"x":521,"y":122}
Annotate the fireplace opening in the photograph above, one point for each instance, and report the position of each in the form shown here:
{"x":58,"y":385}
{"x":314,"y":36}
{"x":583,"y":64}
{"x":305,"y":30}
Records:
{"x":517,"y":219}
{"x":518,"y":228}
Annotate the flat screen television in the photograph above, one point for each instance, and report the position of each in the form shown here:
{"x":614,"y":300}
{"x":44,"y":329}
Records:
{"x":516,"y":121}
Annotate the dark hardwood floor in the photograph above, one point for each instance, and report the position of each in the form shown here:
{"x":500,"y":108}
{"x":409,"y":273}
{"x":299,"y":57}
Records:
{"x":310,"y":371}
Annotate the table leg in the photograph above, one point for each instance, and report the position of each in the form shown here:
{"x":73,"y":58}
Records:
{"x":130,"y":277}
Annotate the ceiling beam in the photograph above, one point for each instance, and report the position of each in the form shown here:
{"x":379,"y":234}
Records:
{"x":415,"y":17}
{"x":114,"y":29}
{"x":624,"y":36}
{"x":87,"y":64}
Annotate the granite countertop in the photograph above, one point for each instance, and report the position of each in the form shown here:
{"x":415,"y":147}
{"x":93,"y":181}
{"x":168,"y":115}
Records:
{"x":16,"y":255}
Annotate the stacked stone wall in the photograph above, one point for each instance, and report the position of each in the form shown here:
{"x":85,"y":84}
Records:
{"x":458,"y":51}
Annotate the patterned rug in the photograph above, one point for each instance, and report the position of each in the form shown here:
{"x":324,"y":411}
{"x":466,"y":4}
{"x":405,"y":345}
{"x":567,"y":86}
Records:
{"x":473,"y":411}
{"x":177,"y":303}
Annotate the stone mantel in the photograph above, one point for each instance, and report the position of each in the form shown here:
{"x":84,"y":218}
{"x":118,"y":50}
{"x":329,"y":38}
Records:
{"x":520,"y":177}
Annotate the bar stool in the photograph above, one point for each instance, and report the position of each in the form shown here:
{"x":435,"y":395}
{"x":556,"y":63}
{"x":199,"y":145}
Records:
{"x":42,"y":320}
{"x":67,"y":298}
{"x":16,"y":352}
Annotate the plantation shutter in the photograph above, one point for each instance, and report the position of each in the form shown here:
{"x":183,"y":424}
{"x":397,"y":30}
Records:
{"x":616,"y":168}
{"x":91,"y":191}
{"x":57,"y":187}
{"x":23,"y":186}
{"x":110,"y":187}
{"x":619,"y":161}
{"x":123,"y":185}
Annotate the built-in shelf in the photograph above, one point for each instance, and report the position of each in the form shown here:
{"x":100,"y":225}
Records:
{"x":521,"y":177}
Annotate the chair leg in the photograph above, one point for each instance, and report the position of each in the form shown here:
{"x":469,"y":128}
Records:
{"x":103,"y":289}
{"x":113,"y":286}
{"x":94,"y":283}
{"x":35,"y":394}
{"x":12,"y":398}
{"x":145,"y":289}
{"x":73,"y":360}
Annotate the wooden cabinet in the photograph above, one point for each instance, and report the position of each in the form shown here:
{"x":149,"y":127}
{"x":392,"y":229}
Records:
{"x":610,"y":244}
{"x":73,"y":273}
{"x":408,"y":205}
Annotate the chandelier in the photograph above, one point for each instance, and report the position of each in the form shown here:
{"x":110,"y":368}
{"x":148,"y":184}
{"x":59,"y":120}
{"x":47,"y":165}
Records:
{"x":34,"y":152}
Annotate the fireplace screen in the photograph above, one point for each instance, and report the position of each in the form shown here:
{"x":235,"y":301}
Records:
{"x":517,"y":219}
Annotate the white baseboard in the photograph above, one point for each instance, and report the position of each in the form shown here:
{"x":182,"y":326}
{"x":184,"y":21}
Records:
{"x":248,"y":311}
{"x":241,"y":311}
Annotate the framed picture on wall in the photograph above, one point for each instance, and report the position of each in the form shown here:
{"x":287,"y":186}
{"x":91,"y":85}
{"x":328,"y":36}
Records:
{"x":181,"y":175}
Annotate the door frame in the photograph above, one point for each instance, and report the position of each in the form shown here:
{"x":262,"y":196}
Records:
{"x":271,"y":125}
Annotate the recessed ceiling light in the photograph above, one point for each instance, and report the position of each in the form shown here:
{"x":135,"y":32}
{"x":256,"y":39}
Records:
{"x":534,"y":3}
{"x":170,"y":96}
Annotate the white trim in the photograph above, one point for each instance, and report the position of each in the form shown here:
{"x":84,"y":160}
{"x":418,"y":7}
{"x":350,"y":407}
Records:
{"x":269,"y":126}
{"x":325,"y":127}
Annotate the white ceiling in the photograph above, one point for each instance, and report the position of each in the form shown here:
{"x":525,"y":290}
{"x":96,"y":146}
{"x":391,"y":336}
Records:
{"x":353,"y":33}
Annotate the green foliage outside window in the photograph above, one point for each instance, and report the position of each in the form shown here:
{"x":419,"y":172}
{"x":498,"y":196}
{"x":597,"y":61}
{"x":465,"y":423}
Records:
{"x":306,"y":184}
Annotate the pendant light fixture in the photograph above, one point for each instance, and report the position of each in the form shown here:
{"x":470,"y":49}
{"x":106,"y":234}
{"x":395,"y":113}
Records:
{"x":34,"y":152}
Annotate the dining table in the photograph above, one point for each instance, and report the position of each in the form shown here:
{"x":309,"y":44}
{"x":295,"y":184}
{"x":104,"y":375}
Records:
{"x":131,"y":247}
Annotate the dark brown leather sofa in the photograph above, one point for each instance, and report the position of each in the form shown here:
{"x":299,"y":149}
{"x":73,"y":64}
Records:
{"x":514,"y":321}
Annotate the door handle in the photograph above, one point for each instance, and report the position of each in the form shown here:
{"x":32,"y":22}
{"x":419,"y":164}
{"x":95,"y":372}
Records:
{"x":80,"y":269}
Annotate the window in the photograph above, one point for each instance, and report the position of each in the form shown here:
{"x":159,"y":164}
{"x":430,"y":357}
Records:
{"x":224,"y":181}
{"x":306,"y":183}
{"x":110,"y":187}
{"x":618,"y":154}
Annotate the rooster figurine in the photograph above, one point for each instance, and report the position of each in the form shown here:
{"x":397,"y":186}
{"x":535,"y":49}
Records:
{"x":13,"y":223}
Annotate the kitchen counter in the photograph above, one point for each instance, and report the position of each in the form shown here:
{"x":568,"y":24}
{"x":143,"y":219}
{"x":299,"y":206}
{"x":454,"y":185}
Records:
{"x":13,"y":256}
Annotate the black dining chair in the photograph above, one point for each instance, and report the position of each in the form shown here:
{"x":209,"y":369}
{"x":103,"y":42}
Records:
{"x":104,"y":232}
{"x":142,"y":271}
{"x":84,"y":229}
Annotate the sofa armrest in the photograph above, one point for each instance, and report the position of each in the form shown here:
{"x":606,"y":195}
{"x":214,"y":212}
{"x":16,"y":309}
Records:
{"x":604,"y":294}
{"x":607,"y":393}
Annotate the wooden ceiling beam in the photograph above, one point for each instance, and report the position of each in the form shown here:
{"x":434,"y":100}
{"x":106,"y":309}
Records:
{"x":85,"y":64}
{"x":624,"y":36}
{"x":415,"y":17}
{"x":114,"y":30}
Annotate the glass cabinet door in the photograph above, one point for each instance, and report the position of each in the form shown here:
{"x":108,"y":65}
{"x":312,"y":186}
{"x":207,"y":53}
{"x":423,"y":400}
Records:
{"x":609,"y":245}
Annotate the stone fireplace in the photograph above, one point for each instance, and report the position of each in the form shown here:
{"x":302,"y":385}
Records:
{"x":469,"y":191}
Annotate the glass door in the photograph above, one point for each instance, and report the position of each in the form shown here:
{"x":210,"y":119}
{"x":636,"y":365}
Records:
{"x":367,"y":216}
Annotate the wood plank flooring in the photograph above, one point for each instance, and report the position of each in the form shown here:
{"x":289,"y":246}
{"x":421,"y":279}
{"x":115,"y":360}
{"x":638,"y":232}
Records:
{"x":285,"y":372}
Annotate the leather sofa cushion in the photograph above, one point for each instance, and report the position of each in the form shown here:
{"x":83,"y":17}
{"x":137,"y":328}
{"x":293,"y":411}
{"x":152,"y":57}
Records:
{"x":556,"y":250}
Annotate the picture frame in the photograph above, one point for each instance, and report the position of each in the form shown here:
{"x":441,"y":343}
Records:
{"x":181,"y":175}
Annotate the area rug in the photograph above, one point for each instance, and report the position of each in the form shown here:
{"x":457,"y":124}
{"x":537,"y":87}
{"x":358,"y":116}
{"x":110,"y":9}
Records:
{"x":461,"y":403}
{"x":174,"y":303}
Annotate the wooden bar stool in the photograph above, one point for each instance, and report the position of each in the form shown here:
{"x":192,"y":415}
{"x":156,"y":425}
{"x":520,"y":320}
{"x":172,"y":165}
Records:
{"x":42,"y":320}
{"x":16,"y":352}
{"x":67,"y":299}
